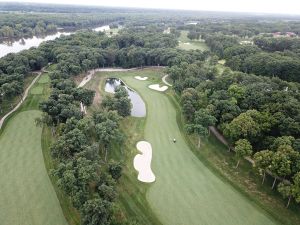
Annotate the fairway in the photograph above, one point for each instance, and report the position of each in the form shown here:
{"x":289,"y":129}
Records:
{"x":187,"y":44}
{"x":27,"y":196}
{"x":186,"y":192}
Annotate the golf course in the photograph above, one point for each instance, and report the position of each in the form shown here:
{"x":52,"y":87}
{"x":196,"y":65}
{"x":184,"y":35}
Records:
{"x":185,"y":190}
{"x":26,"y":195}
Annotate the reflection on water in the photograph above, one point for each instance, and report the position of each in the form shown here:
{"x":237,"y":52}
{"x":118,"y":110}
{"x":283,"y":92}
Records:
{"x":10,"y":46}
{"x":138,"y":105}
{"x":14,"y":46}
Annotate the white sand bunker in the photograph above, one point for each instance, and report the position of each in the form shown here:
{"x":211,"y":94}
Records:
{"x":187,"y":43}
{"x":157,"y":88}
{"x":142,"y":162}
{"x":140,"y":78}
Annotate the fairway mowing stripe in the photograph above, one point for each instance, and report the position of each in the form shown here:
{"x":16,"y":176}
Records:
{"x":26,"y":195}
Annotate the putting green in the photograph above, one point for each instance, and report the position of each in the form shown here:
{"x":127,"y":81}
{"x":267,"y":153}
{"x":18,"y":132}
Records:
{"x":186,"y":192}
{"x":26,"y":193}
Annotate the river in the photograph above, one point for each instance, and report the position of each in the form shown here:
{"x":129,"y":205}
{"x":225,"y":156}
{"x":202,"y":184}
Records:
{"x":9,"y":46}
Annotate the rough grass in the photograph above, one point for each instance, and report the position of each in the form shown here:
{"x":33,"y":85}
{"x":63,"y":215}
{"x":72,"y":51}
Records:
{"x":27,"y":195}
{"x":186,"y":190}
{"x":193,"y":44}
{"x":71,"y":214}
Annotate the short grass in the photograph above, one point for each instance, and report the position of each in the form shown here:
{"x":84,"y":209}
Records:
{"x":27,"y":195}
{"x":44,"y":79}
{"x":186,"y":190}
{"x":187,"y":44}
{"x":38,"y":90}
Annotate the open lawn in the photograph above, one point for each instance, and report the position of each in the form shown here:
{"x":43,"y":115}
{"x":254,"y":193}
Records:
{"x":26,"y":195}
{"x":188,"y":44}
{"x":186,"y":191}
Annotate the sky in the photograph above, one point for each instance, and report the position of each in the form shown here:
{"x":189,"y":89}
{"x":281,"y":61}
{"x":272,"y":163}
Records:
{"x":259,"y":6}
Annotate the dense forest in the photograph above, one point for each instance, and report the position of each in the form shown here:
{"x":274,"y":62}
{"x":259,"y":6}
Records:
{"x":129,"y":49}
{"x":259,"y":116}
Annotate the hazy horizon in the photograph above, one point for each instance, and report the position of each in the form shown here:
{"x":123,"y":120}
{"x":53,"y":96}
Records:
{"x":290,"y":7}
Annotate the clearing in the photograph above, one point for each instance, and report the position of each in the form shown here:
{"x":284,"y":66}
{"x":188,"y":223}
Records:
{"x":187,"y":44}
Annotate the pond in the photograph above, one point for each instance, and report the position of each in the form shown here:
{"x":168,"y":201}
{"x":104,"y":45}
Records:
{"x":14,"y":46}
{"x":138,"y":105}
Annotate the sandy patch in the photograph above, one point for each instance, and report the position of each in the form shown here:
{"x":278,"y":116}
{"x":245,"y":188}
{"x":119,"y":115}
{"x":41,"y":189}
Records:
{"x":142,"y":162}
{"x":140,"y":78}
{"x":157,"y":88}
{"x":187,"y":43}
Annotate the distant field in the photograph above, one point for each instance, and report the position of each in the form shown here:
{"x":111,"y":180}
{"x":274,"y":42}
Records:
{"x":27,"y":196}
{"x":187,"y":44}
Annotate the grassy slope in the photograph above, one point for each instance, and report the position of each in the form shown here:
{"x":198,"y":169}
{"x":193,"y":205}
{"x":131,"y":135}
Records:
{"x":186,"y":191}
{"x":196,"y":44}
{"x":27,"y":195}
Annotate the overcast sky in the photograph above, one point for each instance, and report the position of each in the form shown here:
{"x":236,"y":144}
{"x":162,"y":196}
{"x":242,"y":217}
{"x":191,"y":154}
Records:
{"x":268,"y":6}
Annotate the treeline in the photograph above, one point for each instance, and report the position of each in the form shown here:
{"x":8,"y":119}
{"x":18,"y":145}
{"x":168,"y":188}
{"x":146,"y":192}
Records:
{"x":87,"y":50}
{"x":272,"y":44}
{"x":19,"y":25}
{"x":242,"y":27}
{"x":258,"y":115}
{"x":252,"y":59}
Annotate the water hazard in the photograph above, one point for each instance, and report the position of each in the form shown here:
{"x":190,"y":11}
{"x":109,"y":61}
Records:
{"x":138,"y":105}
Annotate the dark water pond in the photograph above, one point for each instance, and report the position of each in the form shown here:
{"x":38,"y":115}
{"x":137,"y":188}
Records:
{"x":138,"y":105}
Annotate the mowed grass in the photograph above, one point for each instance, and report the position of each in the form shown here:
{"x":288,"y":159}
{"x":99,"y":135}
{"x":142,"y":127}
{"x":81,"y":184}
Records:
{"x":27,"y":196}
{"x":187,"y":44}
{"x":186,"y":191}
{"x":38,"y":90}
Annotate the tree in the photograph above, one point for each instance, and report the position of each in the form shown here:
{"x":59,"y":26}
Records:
{"x":96,"y":212}
{"x":115,"y":170}
{"x":280,"y":166}
{"x":285,"y":189}
{"x":296,"y":187}
{"x":242,"y":126}
{"x":242,"y":148}
{"x":203,"y":118}
{"x":197,"y":129}
{"x":107,"y":132}
{"x":263,"y":160}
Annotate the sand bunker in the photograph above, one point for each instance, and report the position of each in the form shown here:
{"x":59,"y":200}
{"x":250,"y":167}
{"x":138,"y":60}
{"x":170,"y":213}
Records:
{"x":187,"y":43}
{"x":142,"y":162}
{"x":157,"y":88}
{"x":140,"y":78}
